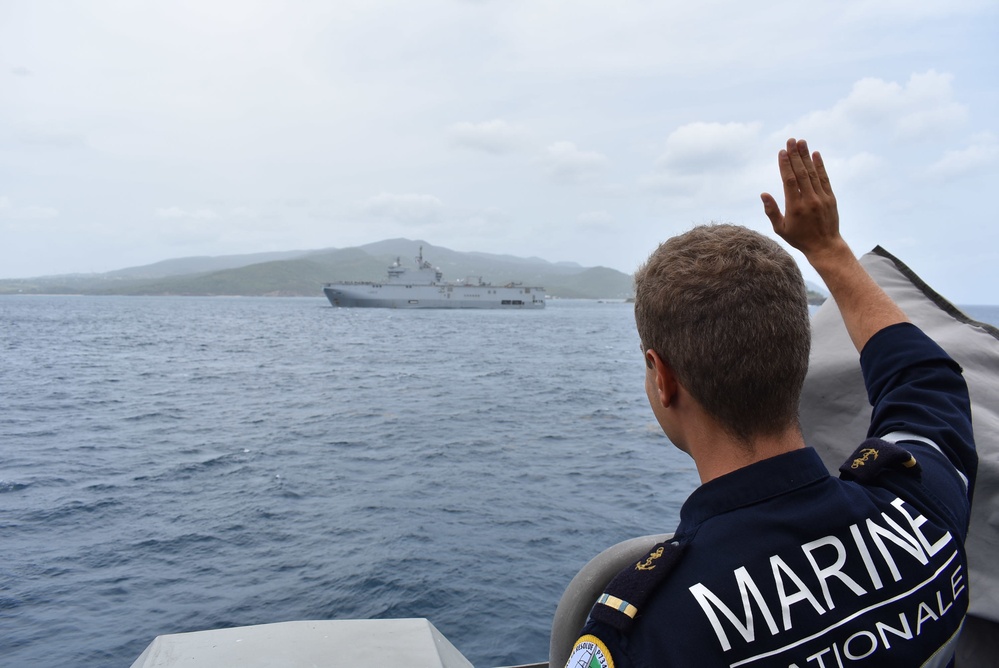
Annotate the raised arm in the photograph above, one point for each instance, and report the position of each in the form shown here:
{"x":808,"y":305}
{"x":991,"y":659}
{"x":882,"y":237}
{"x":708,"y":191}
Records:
{"x":810,"y":223}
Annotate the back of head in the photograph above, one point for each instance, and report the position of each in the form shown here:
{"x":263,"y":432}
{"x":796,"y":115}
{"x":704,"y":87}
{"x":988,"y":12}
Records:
{"x":726,"y":308}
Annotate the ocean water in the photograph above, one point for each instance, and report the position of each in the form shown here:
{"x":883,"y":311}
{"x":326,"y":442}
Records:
{"x":179,"y":464}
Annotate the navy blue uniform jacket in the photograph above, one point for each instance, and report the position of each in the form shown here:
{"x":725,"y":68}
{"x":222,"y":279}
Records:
{"x":783,"y":565}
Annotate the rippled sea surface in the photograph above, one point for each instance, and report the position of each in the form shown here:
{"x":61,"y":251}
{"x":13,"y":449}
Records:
{"x":178,"y":464}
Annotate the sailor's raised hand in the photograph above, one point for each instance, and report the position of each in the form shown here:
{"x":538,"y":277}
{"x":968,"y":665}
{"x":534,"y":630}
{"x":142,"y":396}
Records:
{"x":810,"y":221}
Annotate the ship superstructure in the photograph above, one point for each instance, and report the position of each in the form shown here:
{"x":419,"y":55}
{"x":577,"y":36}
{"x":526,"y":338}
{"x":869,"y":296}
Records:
{"x":425,"y":287}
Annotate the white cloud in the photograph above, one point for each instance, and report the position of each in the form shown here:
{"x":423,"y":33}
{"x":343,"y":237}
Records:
{"x":863,"y":166}
{"x":495,"y":136}
{"x":178,"y":212}
{"x":38,"y":212}
{"x":51,"y":138}
{"x":596,"y":220}
{"x":474,"y":225}
{"x":921,"y":109}
{"x":982,"y":155}
{"x":705,"y":163}
{"x":27,"y":212}
{"x":669,"y":183}
{"x":565,"y":163}
{"x":404,"y":208}
{"x":696,"y":148}
{"x":910,"y":10}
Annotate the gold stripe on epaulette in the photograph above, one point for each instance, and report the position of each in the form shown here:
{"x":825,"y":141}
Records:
{"x":619,"y":605}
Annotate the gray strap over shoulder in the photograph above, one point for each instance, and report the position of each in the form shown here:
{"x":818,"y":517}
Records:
{"x":835,"y":412}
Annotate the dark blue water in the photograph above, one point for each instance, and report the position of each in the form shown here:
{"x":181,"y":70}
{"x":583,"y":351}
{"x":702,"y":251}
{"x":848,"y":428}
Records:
{"x":176,"y":464}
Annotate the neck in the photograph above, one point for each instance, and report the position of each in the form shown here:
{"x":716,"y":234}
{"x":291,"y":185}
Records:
{"x":716,"y":452}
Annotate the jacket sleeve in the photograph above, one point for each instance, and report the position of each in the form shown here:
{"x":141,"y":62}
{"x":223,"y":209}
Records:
{"x":920,"y":398}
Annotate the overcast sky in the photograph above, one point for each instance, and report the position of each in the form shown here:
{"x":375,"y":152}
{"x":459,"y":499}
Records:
{"x":583,"y":130}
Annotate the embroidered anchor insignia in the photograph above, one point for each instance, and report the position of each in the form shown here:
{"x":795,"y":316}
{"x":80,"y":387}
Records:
{"x":868,"y":453}
{"x":648,"y":564}
{"x":876,"y":456}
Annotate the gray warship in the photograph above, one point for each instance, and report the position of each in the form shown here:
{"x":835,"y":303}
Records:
{"x":425,"y":287}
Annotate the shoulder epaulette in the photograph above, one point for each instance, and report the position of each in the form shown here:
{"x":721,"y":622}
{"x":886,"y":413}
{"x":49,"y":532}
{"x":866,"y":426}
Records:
{"x":628,"y":591}
{"x":874,"y":456}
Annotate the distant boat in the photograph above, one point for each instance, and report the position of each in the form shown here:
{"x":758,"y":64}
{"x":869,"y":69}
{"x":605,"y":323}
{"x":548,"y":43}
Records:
{"x":425,"y":287}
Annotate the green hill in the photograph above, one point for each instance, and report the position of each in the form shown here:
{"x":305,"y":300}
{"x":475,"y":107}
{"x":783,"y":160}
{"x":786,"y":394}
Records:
{"x":304,"y":272}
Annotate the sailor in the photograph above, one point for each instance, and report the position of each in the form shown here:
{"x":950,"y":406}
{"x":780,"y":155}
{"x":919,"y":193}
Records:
{"x":774,"y":561}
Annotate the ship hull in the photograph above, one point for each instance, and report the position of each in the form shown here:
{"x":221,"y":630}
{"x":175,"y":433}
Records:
{"x":433,"y":296}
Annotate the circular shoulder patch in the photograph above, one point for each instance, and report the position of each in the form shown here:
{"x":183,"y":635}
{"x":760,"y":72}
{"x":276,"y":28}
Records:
{"x":590,"y":652}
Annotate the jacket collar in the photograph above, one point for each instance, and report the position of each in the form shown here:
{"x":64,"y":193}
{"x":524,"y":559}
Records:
{"x":752,"y":484}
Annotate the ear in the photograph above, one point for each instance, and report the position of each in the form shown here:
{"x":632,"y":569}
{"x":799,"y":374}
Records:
{"x":665,"y":380}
